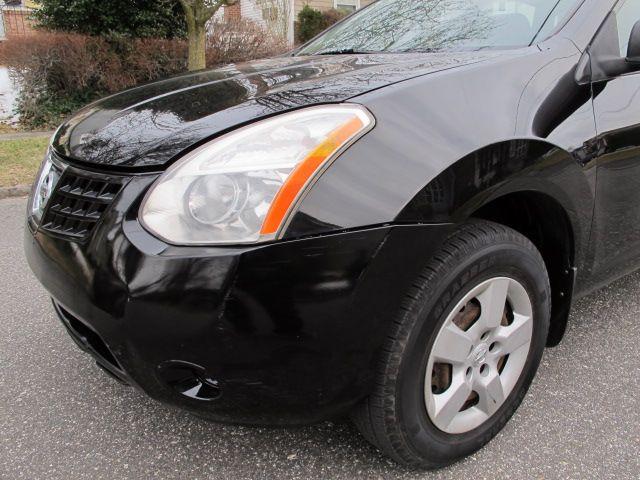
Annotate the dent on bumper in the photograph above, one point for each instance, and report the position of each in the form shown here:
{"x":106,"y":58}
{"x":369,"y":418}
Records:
{"x":286,"y":332}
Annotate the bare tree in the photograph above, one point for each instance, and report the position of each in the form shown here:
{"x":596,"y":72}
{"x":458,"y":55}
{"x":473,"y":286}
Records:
{"x":198,"y":13}
{"x":276,"y":14}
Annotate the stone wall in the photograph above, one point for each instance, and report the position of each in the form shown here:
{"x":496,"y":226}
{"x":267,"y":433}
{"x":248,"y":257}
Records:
{"x":17,"y":21}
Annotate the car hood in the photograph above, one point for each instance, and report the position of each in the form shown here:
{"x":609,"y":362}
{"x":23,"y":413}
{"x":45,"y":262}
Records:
{"x":148,"y":126}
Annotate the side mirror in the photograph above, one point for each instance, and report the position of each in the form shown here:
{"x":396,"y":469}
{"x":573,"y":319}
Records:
{"x":612,"y":66}
{"x":606,"y":62}
{"x":633,"y":52}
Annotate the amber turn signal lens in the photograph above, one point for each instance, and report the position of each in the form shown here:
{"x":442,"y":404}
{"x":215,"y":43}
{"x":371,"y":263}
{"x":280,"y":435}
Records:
{"x":306,"y":170}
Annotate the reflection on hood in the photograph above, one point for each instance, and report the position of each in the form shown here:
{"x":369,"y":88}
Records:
{"x":146,"y":127}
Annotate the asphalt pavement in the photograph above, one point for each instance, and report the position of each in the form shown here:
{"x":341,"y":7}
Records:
{"x":62,"y":418}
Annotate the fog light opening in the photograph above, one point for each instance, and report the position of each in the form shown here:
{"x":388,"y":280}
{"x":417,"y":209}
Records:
{"x":190,"y":380}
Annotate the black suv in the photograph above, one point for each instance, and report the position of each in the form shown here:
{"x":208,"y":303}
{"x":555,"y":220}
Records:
{"x":390,"y":222}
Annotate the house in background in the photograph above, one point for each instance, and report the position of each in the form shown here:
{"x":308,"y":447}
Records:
{"x":279,"y":16}
{"x":350,"y":5}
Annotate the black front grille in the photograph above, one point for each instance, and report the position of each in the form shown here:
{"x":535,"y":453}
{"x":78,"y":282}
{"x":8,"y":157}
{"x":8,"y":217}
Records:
{"x":78,"y":203}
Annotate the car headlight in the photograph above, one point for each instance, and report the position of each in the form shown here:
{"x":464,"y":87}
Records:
{"x":46,"y":181}
{"x":241,"y":187}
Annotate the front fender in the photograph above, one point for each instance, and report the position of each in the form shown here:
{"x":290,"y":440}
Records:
{"x":447,"y":142}
{"x":498,"y":170}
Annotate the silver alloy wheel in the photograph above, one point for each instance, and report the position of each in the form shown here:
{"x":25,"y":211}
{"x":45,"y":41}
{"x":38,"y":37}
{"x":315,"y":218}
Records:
{"x":478,"y":355}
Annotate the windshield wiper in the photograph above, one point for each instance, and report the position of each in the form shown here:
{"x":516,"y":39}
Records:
{"x":344,"y":51}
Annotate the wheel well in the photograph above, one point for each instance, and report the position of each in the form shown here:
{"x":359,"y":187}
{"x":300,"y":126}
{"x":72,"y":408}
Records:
{"x":544,"y":221}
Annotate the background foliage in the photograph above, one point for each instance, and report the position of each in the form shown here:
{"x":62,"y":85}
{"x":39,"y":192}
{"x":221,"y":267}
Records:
{"x":135,"y":18}
{"x":311,"y":22}
{"x":61,"y":72}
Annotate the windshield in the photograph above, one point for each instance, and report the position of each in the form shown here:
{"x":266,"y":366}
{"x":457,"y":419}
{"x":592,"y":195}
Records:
{"x":440,"y":25}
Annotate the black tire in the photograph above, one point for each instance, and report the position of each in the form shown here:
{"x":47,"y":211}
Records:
{"x":394,"y":417}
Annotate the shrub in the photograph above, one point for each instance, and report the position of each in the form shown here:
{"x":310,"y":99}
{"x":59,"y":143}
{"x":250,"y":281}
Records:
{"x":60,"y":72}
{"x":136,"y":18}
{"x":240,"y":40}
{"x":311,"y":22}
{"x":333,"y":15}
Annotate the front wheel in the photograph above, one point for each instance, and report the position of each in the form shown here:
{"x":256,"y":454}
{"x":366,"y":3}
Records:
{"x":463,"y":350}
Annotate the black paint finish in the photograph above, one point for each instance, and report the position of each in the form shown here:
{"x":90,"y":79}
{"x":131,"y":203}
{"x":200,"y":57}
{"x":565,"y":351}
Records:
{"x":289,"y":331}
{"x":149,"y":126}
{"x":278,"y":328}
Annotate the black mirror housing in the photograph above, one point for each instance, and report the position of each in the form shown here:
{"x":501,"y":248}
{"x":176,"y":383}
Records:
{"x":633,"y":52}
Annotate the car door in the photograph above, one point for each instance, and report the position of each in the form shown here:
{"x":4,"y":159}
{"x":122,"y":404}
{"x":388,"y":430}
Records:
{"x":616,"y":228}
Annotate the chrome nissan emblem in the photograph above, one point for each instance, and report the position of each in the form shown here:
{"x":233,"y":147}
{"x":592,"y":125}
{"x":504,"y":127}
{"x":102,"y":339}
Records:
{"x":479,"y":354}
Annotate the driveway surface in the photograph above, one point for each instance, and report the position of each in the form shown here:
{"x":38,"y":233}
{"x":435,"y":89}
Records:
{"x":62,"y":418}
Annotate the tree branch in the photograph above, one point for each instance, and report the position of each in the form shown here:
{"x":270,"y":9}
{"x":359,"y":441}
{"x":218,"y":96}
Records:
{"x":188,"y":11}
{"x":208,"y":12}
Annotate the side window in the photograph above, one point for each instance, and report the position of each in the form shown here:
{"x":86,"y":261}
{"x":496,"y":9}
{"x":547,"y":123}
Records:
{"x":626,"y":17}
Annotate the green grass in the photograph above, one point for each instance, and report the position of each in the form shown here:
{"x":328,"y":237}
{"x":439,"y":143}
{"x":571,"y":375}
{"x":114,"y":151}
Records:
{"x":20,"y":159}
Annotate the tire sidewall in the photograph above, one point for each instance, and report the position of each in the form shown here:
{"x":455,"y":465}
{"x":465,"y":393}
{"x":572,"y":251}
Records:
{"x":431,"y":309}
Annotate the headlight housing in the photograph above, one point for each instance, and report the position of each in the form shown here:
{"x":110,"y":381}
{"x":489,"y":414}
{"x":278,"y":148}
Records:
{"x":241,"y":187}
{"x":42,"y":190}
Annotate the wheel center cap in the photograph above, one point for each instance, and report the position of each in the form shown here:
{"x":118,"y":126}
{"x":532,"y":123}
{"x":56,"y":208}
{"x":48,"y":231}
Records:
{"x":479,"y":354}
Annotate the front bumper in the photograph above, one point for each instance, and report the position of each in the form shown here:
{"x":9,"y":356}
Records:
{"x":282,"y":333}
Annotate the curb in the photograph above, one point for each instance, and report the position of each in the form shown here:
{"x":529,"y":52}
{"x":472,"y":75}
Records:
{"x":16,"y":191}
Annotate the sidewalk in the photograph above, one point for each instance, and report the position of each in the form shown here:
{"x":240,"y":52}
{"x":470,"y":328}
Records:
{"x":20,"y":135}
